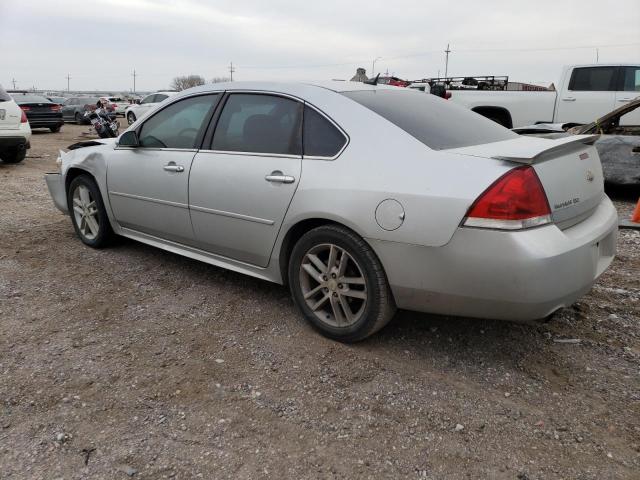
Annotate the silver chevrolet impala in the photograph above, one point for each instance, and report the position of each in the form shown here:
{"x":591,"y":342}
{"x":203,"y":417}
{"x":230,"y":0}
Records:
{"x":361,"y":198}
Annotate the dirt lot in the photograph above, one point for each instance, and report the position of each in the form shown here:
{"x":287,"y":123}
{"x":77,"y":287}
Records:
{"x":134,"y":362}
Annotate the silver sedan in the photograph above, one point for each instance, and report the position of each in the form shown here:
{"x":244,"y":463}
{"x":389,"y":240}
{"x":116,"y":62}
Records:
{"x":363,"y":199}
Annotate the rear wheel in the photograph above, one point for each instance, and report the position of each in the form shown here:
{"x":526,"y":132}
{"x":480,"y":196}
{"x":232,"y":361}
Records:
{"x":131,"y":118}
{"x":13,"y":155}
{"x":339,"y":284}
{"x":88,"y":214}
{"x":79,"y":118}
{"x":55,"y":129}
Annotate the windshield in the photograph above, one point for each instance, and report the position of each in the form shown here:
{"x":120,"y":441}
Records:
{"x":437,"y":123}
{"x":26,"y":98}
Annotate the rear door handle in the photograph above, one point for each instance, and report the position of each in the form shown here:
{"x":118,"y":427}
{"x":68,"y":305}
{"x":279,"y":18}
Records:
{"x":172,"y":167}
{"x":278,"y":177}
{"x":635,"y":149}
{"x":624,"y":99}
{"x":569,"y":99}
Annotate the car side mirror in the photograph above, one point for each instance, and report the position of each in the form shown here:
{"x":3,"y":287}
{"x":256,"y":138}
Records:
{"x":129,"y":139}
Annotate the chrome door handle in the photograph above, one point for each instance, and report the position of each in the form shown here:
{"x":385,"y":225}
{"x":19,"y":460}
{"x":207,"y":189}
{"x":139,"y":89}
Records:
{"x":279,"y":177}
{"x":624,"y":99}
{"x":172,"y":167}
{"x":569,"y":99}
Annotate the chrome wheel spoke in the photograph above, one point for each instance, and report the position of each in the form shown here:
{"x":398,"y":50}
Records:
{"x":346,"y":308}
{"x":333,"y":255}
{"x":93,"y":225}
{"x":311,"y":293}
{"x":313,"y":273}
{"x":85,"y":197}
{"x":352,"y":280}
{"x":318,"y":263}
{"x":320,"y":302}
{"x":355,"y":294}
{"x":342,"y":266}
{"x":78,"y":209}
{"x":337,"y":311}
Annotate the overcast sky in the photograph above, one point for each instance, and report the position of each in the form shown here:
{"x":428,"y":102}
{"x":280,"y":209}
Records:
{"x":100,"y":42}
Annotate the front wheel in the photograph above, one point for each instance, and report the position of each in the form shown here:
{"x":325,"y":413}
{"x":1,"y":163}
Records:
{"x":88,"y":214}
{"x":13,"y":155}
{"x":131,"y":118}
{"x":339,"y":284}
{"x":79,"y":118}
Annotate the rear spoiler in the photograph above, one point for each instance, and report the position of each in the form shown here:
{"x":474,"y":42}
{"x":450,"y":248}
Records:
{"x":540,"y":148}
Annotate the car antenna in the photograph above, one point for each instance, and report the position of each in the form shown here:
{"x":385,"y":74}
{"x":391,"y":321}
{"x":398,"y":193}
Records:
{"x":372,"y":81}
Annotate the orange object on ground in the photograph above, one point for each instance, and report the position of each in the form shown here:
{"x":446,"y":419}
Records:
{"x":635,"y":216}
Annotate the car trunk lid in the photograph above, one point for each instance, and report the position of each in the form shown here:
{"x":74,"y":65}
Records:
{"x":9,"y":116}
{"x":568,"y":168}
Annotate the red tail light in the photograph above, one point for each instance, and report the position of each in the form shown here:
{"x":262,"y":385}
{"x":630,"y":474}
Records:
{"x":447,"y":95}
{"x":515,"y":201}
{"x":23,"y":118}
{"x":25,"y":108}
{"x":55,"y":108}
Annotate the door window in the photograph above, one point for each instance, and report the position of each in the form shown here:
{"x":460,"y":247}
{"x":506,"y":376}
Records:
{"x":593,"y":79}
{"x":148,"y":99}
{"x":259,"y":123}
{"x":321,"y":137}
{"x":631,"y":79}
{"x":160,"y":97}
{"x":179,"y":124}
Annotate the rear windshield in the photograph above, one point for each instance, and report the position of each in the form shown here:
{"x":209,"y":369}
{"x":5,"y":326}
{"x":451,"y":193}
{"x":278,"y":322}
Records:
{"x":437,"y":123}
{"x":4,"y":96}
{"x":25,"y":98}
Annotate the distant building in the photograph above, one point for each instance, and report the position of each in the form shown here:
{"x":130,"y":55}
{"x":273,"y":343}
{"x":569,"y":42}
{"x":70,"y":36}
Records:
{"x":360,"y":76}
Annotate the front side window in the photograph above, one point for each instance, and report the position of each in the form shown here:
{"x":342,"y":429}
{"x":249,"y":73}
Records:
{"x":178,"y":125}
{"x":320,"y":137}
{"x":259,"y":123}
{"x":148,"y":99}
{"x":160,"y":97}
{"x":631,"y":79}
{"x":593,"y":79}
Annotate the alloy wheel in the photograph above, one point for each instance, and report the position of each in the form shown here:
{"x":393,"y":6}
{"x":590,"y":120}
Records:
{"x":333,"y":285}
{"x":85,"y":212}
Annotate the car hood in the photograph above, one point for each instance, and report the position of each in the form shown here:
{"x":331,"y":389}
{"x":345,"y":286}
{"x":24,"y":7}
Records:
{"x":93,"y":143}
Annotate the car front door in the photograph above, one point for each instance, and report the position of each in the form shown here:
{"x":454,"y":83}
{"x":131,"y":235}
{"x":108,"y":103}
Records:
{"x":148,"y":184}
{"x":629,"y":89}
{"x":590,"y":94}
{"x":240,"y":189}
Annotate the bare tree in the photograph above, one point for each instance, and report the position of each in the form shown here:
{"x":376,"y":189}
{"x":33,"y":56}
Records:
{"x":187,"y":81}
{"x":220,"y":79}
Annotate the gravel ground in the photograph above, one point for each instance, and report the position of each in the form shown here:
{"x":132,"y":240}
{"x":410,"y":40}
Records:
{"x":134,"y":362}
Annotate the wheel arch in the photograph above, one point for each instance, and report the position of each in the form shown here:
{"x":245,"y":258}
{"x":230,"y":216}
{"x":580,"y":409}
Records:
{"x":495,"y":113}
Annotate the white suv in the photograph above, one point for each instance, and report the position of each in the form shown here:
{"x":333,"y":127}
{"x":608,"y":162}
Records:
{"x":138,"y":110}
{"x":15,"y":132}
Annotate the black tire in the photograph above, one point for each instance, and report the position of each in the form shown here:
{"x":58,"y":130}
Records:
{"x":13,"y":155}
{"x":79,"y":118}
{"x":105,"y":233}
{"x":379,"y":306}
{"x":55,"y":129}
{"x":131,"y":118}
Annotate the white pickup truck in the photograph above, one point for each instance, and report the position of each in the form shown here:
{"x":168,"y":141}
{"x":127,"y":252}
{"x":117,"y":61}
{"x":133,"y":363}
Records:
{"x":585,"y":92}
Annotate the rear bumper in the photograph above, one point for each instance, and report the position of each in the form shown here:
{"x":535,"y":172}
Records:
{"x":14,"y":141}
{"x":46,"y":122}
{"x":520,"y":276}
{"x":55,"y":184}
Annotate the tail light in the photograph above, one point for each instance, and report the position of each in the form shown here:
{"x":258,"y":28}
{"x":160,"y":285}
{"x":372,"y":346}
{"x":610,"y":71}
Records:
{"x":447,"y":95}
{"x":515,"y":201}
{"x":55,"y":108}
{"x":114,"y":106}
{"x":25,"y":108}
{"x":23,"y":117}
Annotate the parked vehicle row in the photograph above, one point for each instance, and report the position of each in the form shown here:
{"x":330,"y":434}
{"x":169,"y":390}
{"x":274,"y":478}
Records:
{"x":136,"y":111}
{"x":74,"y":109}
{"x":585,"y":92}
{"x":40,"y":111}
{"x":15,"y":132}
{"x":361,"y":198}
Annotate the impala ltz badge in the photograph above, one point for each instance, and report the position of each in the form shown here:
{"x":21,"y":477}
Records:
{"x":590,"y":176}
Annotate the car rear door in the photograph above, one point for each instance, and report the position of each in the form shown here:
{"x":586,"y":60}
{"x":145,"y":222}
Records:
{"x":591,"y":93}
{"x":629,"y":89}
{"x":242,"y":183}
{"x":148,"y":185}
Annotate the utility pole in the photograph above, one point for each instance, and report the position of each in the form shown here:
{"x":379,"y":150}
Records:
{"x":14,"y":83}
{"x":373,"y":66}
{"x":597,"y":55}
{"x":68,"y":79}
{"x":134,"y":75}
{"x":231,"y":70}
{"x":446,"y":62}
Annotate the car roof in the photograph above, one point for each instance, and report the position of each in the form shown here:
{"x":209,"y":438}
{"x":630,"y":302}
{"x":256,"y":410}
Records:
{"x":292,"y":88}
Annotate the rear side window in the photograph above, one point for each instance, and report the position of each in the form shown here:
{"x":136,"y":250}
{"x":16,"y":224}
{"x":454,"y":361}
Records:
{"x":437,"y":123}
{"x":159,"y":97}
{"x":593,"y":79}
{"x":21,"y":98}
{"x":631,"y":79}
{"x":260,"y":124}
{"x":178,"y":125}
{"x":320,"y":137}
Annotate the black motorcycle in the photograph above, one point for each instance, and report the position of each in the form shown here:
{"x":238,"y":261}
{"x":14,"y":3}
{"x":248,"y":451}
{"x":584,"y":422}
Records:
{"x":105,"y":127}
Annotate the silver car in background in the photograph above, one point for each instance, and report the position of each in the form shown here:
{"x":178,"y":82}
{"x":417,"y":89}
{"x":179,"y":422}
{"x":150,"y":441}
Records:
{"x":361,"y":198}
